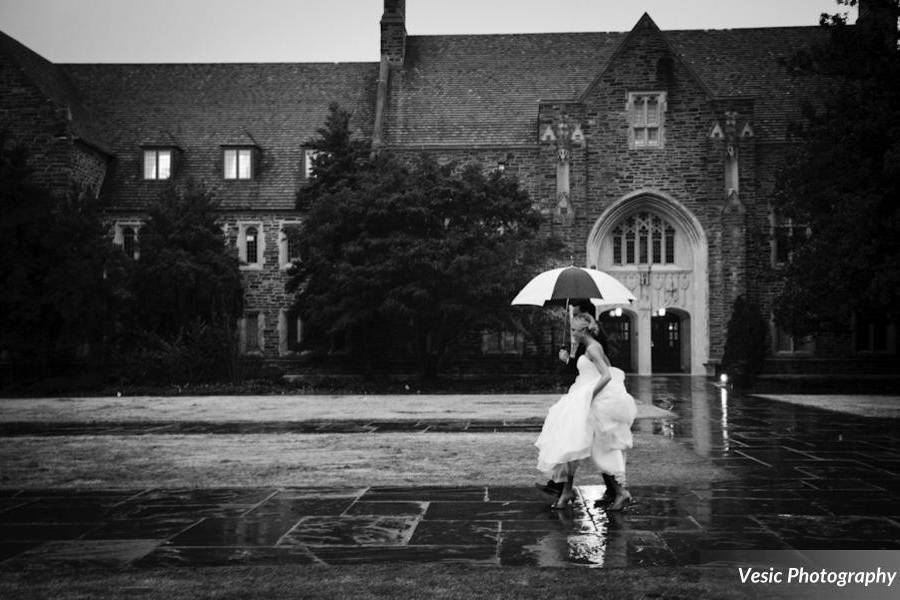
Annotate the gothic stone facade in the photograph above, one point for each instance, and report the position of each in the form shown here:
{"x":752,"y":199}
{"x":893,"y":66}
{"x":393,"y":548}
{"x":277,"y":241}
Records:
{"x":651,"y":153}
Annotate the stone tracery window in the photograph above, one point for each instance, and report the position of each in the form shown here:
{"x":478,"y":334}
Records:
{"x":646,"y":112}
{"x":644,"y":238}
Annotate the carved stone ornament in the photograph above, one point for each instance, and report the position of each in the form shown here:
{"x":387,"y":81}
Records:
{"x":548,"y":135}
{"x":563,"y":132}
{"x":577,"y":134}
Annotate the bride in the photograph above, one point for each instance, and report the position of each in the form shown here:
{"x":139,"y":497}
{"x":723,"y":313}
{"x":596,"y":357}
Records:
{"x":592,"y":420}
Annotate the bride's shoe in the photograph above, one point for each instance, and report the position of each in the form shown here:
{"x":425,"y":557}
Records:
{"x":605,"y":500}
{"x":564,"y":501}
{"x":552,"y":488}
{"x":621,"y":502}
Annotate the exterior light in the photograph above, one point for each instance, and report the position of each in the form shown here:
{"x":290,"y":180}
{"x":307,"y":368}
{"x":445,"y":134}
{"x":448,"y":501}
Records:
{"x":661,"y":312}
{"x":723,"y":379}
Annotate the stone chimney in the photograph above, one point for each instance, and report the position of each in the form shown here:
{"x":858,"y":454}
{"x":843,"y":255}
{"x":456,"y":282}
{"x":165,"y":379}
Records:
{"x":393,"y":32}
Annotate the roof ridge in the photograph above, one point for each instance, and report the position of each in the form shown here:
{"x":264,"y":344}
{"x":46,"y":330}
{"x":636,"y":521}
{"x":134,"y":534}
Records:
{"x":618,"y":32}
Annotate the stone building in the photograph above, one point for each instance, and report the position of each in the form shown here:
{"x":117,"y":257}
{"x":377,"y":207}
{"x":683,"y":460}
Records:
{"x":651,"y":153}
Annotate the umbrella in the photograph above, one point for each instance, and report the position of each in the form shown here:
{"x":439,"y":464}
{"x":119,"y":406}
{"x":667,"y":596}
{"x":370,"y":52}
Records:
{"x":560,"y":286}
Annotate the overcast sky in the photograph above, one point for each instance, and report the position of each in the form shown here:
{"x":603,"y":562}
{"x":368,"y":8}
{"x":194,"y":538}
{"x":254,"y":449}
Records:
{"x":342,"y":30}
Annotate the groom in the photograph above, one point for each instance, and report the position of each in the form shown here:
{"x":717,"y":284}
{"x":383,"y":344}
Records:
{"x":569,"y":358}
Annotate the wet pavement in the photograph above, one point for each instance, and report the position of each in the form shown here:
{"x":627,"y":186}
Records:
{"x":804,"y":479}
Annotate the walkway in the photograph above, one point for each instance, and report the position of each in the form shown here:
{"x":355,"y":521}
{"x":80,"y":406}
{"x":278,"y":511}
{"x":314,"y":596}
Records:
{"x":805,"y":479}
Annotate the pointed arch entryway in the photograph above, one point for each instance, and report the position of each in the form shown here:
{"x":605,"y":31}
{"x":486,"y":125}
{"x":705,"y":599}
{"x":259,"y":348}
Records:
{"x":656,"y":247}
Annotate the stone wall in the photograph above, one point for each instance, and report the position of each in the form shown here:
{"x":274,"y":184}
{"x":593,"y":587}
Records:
{"x":35,"y":122}
{"x":89,"y":168}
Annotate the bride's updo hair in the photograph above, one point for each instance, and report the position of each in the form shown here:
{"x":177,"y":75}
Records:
{"x":585,"y":321}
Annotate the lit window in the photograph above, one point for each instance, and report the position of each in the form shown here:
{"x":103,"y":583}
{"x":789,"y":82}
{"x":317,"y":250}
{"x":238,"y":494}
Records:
{"x":157,"y":164}
{"x":238,"y":163}
{"x":643,"y":239}
{"x":646,"y":111}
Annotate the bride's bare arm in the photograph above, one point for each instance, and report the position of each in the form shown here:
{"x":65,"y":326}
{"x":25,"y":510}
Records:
{"x":598,"y":357}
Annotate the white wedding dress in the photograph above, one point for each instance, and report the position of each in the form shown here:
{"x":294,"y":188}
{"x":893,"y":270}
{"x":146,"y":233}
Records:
{"x":577,"y":428}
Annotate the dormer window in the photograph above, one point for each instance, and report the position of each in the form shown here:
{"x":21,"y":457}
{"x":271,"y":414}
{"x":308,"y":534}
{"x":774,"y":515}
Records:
{"x":309,"y":155}
{"x":157,"y":163}
{"x":239,"y":163}
{"x":646,"y":112}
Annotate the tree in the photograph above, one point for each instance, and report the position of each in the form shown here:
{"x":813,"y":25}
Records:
{"x":407,"y":252}
{"x":745,"y":342}
{"x":185,"y":289}
{"x":843,"y":180}
{"x":54,"y":253}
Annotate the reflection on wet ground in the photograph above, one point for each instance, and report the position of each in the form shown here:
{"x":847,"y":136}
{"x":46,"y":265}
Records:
{"x":804,"y":479}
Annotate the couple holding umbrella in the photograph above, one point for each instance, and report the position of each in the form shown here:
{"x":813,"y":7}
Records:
{"x":593,"y":419}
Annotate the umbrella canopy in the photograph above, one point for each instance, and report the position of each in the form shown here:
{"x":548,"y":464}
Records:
{"x":559,"y":286}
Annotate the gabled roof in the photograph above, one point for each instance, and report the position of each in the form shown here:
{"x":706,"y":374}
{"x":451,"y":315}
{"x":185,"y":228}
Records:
{"x":645,"y":23}
{"x":55,"y":85}
{"x":484,"y":89}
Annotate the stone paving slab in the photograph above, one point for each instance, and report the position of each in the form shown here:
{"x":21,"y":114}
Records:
{"x":668,"y":526}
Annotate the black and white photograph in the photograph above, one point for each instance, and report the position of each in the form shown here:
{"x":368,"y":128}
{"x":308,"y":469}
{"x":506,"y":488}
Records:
{"x":449,"y":300}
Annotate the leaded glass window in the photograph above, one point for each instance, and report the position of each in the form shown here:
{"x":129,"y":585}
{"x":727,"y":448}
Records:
{"x":252,"y":244}
{"x":643,"y":239}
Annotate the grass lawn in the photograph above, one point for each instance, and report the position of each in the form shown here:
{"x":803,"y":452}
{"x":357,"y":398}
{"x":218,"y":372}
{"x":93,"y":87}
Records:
{"x":394,"y":581}
{"x":405,"y":407}
{"x":340,"y":460}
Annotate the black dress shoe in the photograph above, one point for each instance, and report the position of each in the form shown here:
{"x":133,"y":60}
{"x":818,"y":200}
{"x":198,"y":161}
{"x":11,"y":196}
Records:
{"x":552,"y":488}
{"x":605,"y":500}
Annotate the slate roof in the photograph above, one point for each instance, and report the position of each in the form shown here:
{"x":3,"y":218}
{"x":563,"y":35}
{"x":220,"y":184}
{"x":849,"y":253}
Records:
{"x":55,"y":85}
{"x":484,"y":89}
{"x":453,"y":90}
{"x":276,"y":107}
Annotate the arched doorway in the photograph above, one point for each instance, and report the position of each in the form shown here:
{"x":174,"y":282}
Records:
{"x":670,"y":342}
{"x":619,"y":328}
{"x":652,"y":244}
